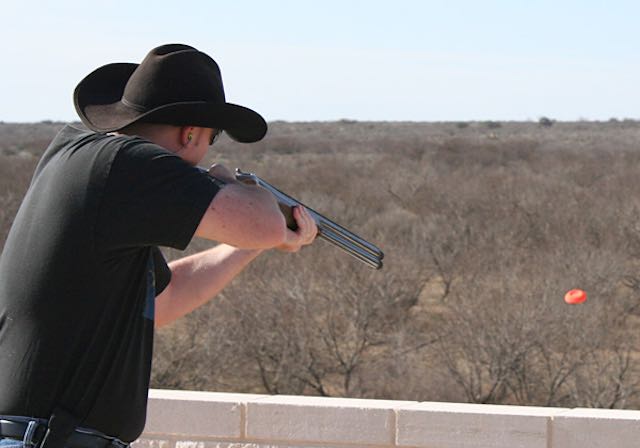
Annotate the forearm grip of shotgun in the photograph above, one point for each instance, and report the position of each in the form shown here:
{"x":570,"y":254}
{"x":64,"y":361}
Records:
{"x":287,"y":211}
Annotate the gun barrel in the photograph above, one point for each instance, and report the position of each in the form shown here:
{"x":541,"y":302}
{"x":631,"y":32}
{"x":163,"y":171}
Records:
{"x":325,"y":223}
{"x":347,"y":246}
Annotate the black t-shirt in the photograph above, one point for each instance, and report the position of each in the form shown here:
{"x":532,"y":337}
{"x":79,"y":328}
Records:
{"x":79,"y":274}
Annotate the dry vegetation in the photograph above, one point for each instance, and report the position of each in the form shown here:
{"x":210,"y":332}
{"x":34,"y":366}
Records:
{"x":484,"y":226}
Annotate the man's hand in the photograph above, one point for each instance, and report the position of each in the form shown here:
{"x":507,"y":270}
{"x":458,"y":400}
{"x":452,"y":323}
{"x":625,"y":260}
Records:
{"x":303,"y":235}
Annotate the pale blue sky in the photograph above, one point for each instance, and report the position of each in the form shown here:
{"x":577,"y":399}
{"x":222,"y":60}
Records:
{"x":327,"y":59}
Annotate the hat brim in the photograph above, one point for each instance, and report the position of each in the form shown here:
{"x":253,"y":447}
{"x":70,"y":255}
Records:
{"x":98,"y":102}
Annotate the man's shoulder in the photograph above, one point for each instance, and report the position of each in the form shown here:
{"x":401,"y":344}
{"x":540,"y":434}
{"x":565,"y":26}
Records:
{"x":74,"y":137}
{"x":82,"y":143}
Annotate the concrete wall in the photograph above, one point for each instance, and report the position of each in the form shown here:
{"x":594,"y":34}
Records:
{"x":182,"y":419}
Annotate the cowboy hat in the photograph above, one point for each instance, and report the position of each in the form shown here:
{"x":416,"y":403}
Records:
{"x":175,"y":84}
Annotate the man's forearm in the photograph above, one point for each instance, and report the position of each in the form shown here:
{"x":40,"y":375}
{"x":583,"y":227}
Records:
{"x":196,"y":279}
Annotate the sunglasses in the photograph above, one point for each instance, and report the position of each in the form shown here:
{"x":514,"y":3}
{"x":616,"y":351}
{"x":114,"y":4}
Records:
{"x":215,"y":136}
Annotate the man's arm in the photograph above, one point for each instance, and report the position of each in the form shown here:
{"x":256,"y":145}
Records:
{"x":196,"y":279}
{"x":243,"y":216}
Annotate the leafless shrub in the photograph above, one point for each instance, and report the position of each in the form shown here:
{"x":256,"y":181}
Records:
{"x":545,"y":122}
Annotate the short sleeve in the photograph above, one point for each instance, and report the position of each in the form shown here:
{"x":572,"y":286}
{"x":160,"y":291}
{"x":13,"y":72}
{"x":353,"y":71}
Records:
{"x":162,"y":271}
{"x":151,"y":198}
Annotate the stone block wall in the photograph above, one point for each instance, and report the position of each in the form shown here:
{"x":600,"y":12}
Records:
{"x":184,"y":419}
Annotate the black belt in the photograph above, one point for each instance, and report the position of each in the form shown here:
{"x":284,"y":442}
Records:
{"x":80,"y":438}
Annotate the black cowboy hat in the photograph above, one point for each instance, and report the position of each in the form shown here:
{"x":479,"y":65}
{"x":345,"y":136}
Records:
{"x":175,"y":84}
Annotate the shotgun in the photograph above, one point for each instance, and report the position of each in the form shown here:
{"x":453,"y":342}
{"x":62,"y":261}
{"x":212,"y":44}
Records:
{"x":328,"y":230}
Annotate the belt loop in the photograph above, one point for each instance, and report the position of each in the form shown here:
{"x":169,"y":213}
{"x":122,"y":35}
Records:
{"x":61,"y":425}
{"x":29,"y":433}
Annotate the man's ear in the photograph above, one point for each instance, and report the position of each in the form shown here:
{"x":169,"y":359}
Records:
{"x":187,"y":135}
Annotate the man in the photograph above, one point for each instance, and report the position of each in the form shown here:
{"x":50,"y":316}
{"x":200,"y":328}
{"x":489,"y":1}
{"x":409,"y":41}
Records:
{"x":82,"y":280}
